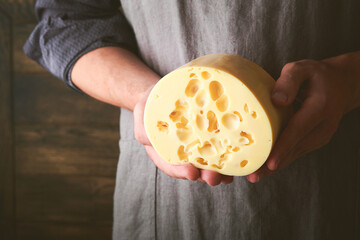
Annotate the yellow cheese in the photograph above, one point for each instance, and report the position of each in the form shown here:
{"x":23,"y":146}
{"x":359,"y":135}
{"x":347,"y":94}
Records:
{"x":216,"y":113}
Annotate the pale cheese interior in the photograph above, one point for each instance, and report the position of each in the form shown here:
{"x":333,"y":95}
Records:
{"x":208,"y":117}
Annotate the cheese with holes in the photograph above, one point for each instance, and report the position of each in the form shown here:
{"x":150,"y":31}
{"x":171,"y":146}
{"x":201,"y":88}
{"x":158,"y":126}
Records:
{"x":215,"y":113}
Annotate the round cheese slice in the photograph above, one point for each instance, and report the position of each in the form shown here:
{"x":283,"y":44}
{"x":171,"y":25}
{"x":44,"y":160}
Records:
{"x":215,"y":113}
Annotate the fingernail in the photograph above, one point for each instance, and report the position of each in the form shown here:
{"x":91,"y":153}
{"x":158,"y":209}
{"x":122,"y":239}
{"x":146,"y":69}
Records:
{"x":280,"y":97}
{"x":257,"y":178}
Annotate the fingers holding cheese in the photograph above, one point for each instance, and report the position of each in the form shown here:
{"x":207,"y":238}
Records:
{"x":215,"y":113}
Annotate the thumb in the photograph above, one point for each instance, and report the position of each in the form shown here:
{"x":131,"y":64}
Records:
{"x":287,"y":86}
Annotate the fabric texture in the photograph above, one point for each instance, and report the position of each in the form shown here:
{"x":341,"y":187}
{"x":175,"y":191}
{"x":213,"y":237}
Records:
{"x":316,"y":197}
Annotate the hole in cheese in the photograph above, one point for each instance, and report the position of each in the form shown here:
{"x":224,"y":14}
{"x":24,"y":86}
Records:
{"x":200,"y":122}
{"x":217,"y":166}
{"x":205,"y":75}
{"x":239,"y":115}
{"x":235,"y":149}
{"x":163,"y":126}
{"x":207,"y":150}
{"x":248,"y":137}
{"x":216,"y":90}
{"x":192,"y":75}
{"x":243,"y":163}
{"x":181,"y":106}
{"x":183,"y":122}
{"x":175,"y":115}
{"x":253,"y":114}
{"x":202,"y":98}
{"x":230,"y":121}
{"x":184,"y":134}
{"x":213,"y":123}
{"x":183,"y":156}
{"x":192,"y":88}
{"x":217,"y":144}
{"x":201,"y":161}
{"x":222,"y":103}
{"x":246,"y":108}
{"x":191,"y":145}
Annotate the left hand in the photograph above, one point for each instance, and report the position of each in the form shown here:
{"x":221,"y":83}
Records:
{"x":326,"y":91}
{"x":187,"y":171}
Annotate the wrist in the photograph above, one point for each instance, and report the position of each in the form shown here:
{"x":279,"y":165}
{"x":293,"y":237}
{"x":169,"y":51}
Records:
{"x":145,"y":93}
{"x":348,"y":65}
{"x":113,"y":75}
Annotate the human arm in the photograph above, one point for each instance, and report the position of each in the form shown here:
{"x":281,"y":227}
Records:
{"x":327,"y":90}
{"x":84,"y":43}
{"x":116,"y":76}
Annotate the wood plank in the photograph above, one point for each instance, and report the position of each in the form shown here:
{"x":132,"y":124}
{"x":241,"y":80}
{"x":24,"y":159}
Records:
{"x":67,"y":150}
{"x":23,"y":64}
{"x":64,"y":199}
{"x":45,"y":99}
{"x":61,"y":231}
{"x":7,"y":226}
{"x":20,"y":10}
{"x":357,"y":190}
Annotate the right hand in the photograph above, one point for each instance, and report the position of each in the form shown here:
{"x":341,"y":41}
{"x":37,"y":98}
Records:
{"x":187,"y":171}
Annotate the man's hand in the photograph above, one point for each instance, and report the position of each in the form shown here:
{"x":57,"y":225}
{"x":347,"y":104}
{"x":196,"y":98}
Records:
{"x":325,"y":91}
{"x":117,"y":76}
{"x":178,"y":171}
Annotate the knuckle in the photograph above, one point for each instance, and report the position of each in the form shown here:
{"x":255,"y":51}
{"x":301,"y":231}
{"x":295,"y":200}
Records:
{"x":300,"y":65}
{"x":289,"y":67}
{"x":295,"y":66}
{"x":213,"y":183}
{"x":190,"y":175}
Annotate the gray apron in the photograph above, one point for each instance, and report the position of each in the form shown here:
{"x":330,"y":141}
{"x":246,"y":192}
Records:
{"x":316,"y":197}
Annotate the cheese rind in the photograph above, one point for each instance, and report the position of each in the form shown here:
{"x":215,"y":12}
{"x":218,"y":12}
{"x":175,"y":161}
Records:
{"x":216,"y":113}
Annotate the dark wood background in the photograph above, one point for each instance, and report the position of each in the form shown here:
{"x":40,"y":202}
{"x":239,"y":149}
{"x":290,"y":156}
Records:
{"x":58,"y":148}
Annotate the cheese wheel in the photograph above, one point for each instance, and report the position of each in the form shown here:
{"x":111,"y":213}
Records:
{"x":215,"y":113}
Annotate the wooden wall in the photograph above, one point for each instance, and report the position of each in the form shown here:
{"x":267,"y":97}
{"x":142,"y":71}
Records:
{"x":7,"y":213}
{"x":58,"y":148}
